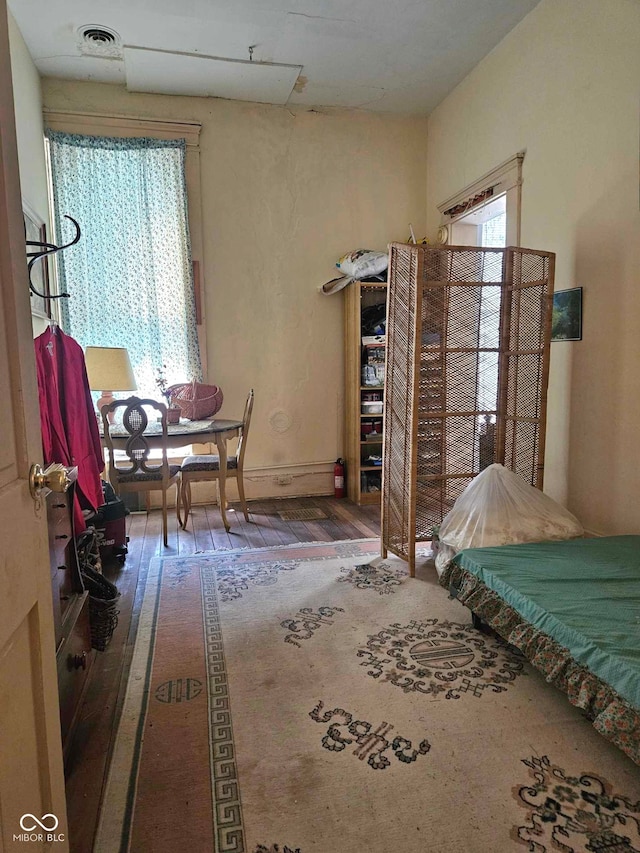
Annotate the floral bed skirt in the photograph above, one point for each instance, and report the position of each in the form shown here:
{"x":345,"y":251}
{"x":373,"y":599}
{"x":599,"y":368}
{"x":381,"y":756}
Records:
{"x":611,"y":715}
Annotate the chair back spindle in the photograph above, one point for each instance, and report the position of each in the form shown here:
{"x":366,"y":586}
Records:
{"x":139,"y":473}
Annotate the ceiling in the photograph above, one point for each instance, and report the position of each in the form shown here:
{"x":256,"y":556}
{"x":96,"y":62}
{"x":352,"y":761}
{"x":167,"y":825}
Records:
{"x":403,"y":56}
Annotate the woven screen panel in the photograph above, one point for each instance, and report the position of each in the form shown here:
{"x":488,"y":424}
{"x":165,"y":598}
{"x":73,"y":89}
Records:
{"x":459,"y":374}
{"x":399,"y":401}
{"x":477,"y":324}
{"x":526,"y":363}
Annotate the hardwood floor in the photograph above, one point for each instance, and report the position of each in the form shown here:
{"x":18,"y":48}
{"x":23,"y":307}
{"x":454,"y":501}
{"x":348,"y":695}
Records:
{"x":87,"y":763}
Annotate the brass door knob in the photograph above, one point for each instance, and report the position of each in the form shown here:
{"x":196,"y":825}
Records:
{"x":55,"y":479}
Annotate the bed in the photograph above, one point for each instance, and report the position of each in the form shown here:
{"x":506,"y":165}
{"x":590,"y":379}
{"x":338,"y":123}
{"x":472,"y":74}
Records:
{"x":573,"y":609}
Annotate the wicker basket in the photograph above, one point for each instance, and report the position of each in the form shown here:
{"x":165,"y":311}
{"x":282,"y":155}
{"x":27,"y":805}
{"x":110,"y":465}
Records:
{"x":196,"y":400}
{"x":103,"y":618}
{"x":103,"y":595}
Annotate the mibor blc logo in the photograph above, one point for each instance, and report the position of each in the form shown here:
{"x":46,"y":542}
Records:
{"x":38,"y":828}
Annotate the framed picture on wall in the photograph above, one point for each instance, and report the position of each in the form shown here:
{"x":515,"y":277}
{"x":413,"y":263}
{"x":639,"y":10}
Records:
{"x":35,"y":230}
{"x":566,"y":322}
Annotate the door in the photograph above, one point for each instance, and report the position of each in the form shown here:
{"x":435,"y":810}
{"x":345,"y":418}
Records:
{"x":32,"y":804}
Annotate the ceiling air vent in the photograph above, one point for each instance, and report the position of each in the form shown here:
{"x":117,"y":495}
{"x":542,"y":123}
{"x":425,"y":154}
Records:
{"x":97,"y":35}
{"x":100,"y":41}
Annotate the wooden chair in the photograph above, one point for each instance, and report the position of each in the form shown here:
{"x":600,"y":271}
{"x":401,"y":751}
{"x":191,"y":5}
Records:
{"x":200,"y":468}
{"x":138,"y":474}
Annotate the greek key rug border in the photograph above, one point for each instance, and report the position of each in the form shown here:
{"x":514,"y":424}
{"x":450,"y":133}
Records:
{"x":225,"y":788}
{"x":118,"y":801}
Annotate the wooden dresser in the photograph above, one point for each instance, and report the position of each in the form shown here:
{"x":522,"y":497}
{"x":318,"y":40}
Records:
{"x":70,"y":611}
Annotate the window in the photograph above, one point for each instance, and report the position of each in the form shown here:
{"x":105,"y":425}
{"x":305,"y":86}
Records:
{"x":496,"y":192}
{"x":487,"y":214}
{"x":130,"y":277}
{"x":493,"y":232}
{"x":485,"y":225}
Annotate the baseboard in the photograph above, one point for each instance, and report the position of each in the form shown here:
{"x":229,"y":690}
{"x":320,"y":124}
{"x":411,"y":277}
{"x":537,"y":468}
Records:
{"x":282,"y":481}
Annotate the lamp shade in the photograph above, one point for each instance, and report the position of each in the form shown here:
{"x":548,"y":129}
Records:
{"x":109,"y":368}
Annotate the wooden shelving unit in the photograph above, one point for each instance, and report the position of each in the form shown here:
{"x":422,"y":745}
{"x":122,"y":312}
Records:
{"x":364,"y":479}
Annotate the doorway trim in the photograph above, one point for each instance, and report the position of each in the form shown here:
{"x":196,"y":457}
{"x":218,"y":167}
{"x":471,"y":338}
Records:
{"x":505,"y":178}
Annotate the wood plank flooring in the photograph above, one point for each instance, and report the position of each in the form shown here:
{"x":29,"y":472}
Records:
{"x":92,"y":741}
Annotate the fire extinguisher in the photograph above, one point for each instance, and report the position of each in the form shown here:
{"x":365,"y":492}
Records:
{"x":338,"y":478}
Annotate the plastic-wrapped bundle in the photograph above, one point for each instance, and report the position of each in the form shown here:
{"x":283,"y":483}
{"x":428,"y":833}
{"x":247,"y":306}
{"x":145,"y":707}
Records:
{"x":499,"y":508}
{"x":356,"y":265}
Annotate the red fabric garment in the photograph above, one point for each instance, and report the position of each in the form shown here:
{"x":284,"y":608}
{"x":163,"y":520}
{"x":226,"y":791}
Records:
{"x":70,"y":433}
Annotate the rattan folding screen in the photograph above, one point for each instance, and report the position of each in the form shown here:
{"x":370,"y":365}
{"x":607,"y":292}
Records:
{"x":468,"y":333}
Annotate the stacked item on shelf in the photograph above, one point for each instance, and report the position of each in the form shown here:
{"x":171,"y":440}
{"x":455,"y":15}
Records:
{"x":365,"y":347}
{"x":373,"y":358}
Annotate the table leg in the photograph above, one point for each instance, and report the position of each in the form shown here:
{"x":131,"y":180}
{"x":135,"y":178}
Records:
{"x":221,"y":444}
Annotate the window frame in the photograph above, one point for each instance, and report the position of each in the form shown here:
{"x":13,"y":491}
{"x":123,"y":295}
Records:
{"x":505,"y":179}
{"x":100,"y":124}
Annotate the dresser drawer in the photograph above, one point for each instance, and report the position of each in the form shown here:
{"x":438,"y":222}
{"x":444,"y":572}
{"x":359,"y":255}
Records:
{"x":64,"y":576}
{"x":74,"y":657}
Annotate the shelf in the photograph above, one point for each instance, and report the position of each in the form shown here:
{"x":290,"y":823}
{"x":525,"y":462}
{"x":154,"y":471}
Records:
{"x":359,"y":298}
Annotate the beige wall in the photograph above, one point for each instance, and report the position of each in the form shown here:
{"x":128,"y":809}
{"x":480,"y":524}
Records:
{"x":27,"y":98}
{"x":565,"y":87}
{"x":285,"y":192}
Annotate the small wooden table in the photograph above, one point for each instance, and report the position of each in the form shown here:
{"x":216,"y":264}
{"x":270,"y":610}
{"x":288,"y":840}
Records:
{"x":218,"y":431}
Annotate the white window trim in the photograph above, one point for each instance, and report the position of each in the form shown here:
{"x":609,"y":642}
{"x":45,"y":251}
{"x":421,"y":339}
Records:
{"x":505,"y":178}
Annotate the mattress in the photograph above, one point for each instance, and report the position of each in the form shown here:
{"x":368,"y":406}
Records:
{"x":573,"y":610}
{"x":584,"y":593}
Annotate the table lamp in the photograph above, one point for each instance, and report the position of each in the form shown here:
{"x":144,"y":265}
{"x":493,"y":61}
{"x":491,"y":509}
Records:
{"x":109,"y":367}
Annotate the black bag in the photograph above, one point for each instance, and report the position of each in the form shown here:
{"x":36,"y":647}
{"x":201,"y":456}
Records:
{"x":108,"y":521}
{"x":374,"y":319}
{"x":112,"y":508}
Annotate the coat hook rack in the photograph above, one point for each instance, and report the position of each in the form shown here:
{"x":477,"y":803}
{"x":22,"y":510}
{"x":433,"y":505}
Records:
{"x":44,"y":249}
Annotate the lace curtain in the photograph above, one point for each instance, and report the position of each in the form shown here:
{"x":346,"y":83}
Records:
{"x":130,"y":276}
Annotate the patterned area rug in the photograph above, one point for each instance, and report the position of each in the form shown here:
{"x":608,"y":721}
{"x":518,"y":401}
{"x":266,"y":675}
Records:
{"x":316,"y":698}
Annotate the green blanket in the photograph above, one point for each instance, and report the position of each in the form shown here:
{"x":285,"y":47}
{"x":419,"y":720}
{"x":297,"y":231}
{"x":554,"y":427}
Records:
{"x":584,"y":593}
